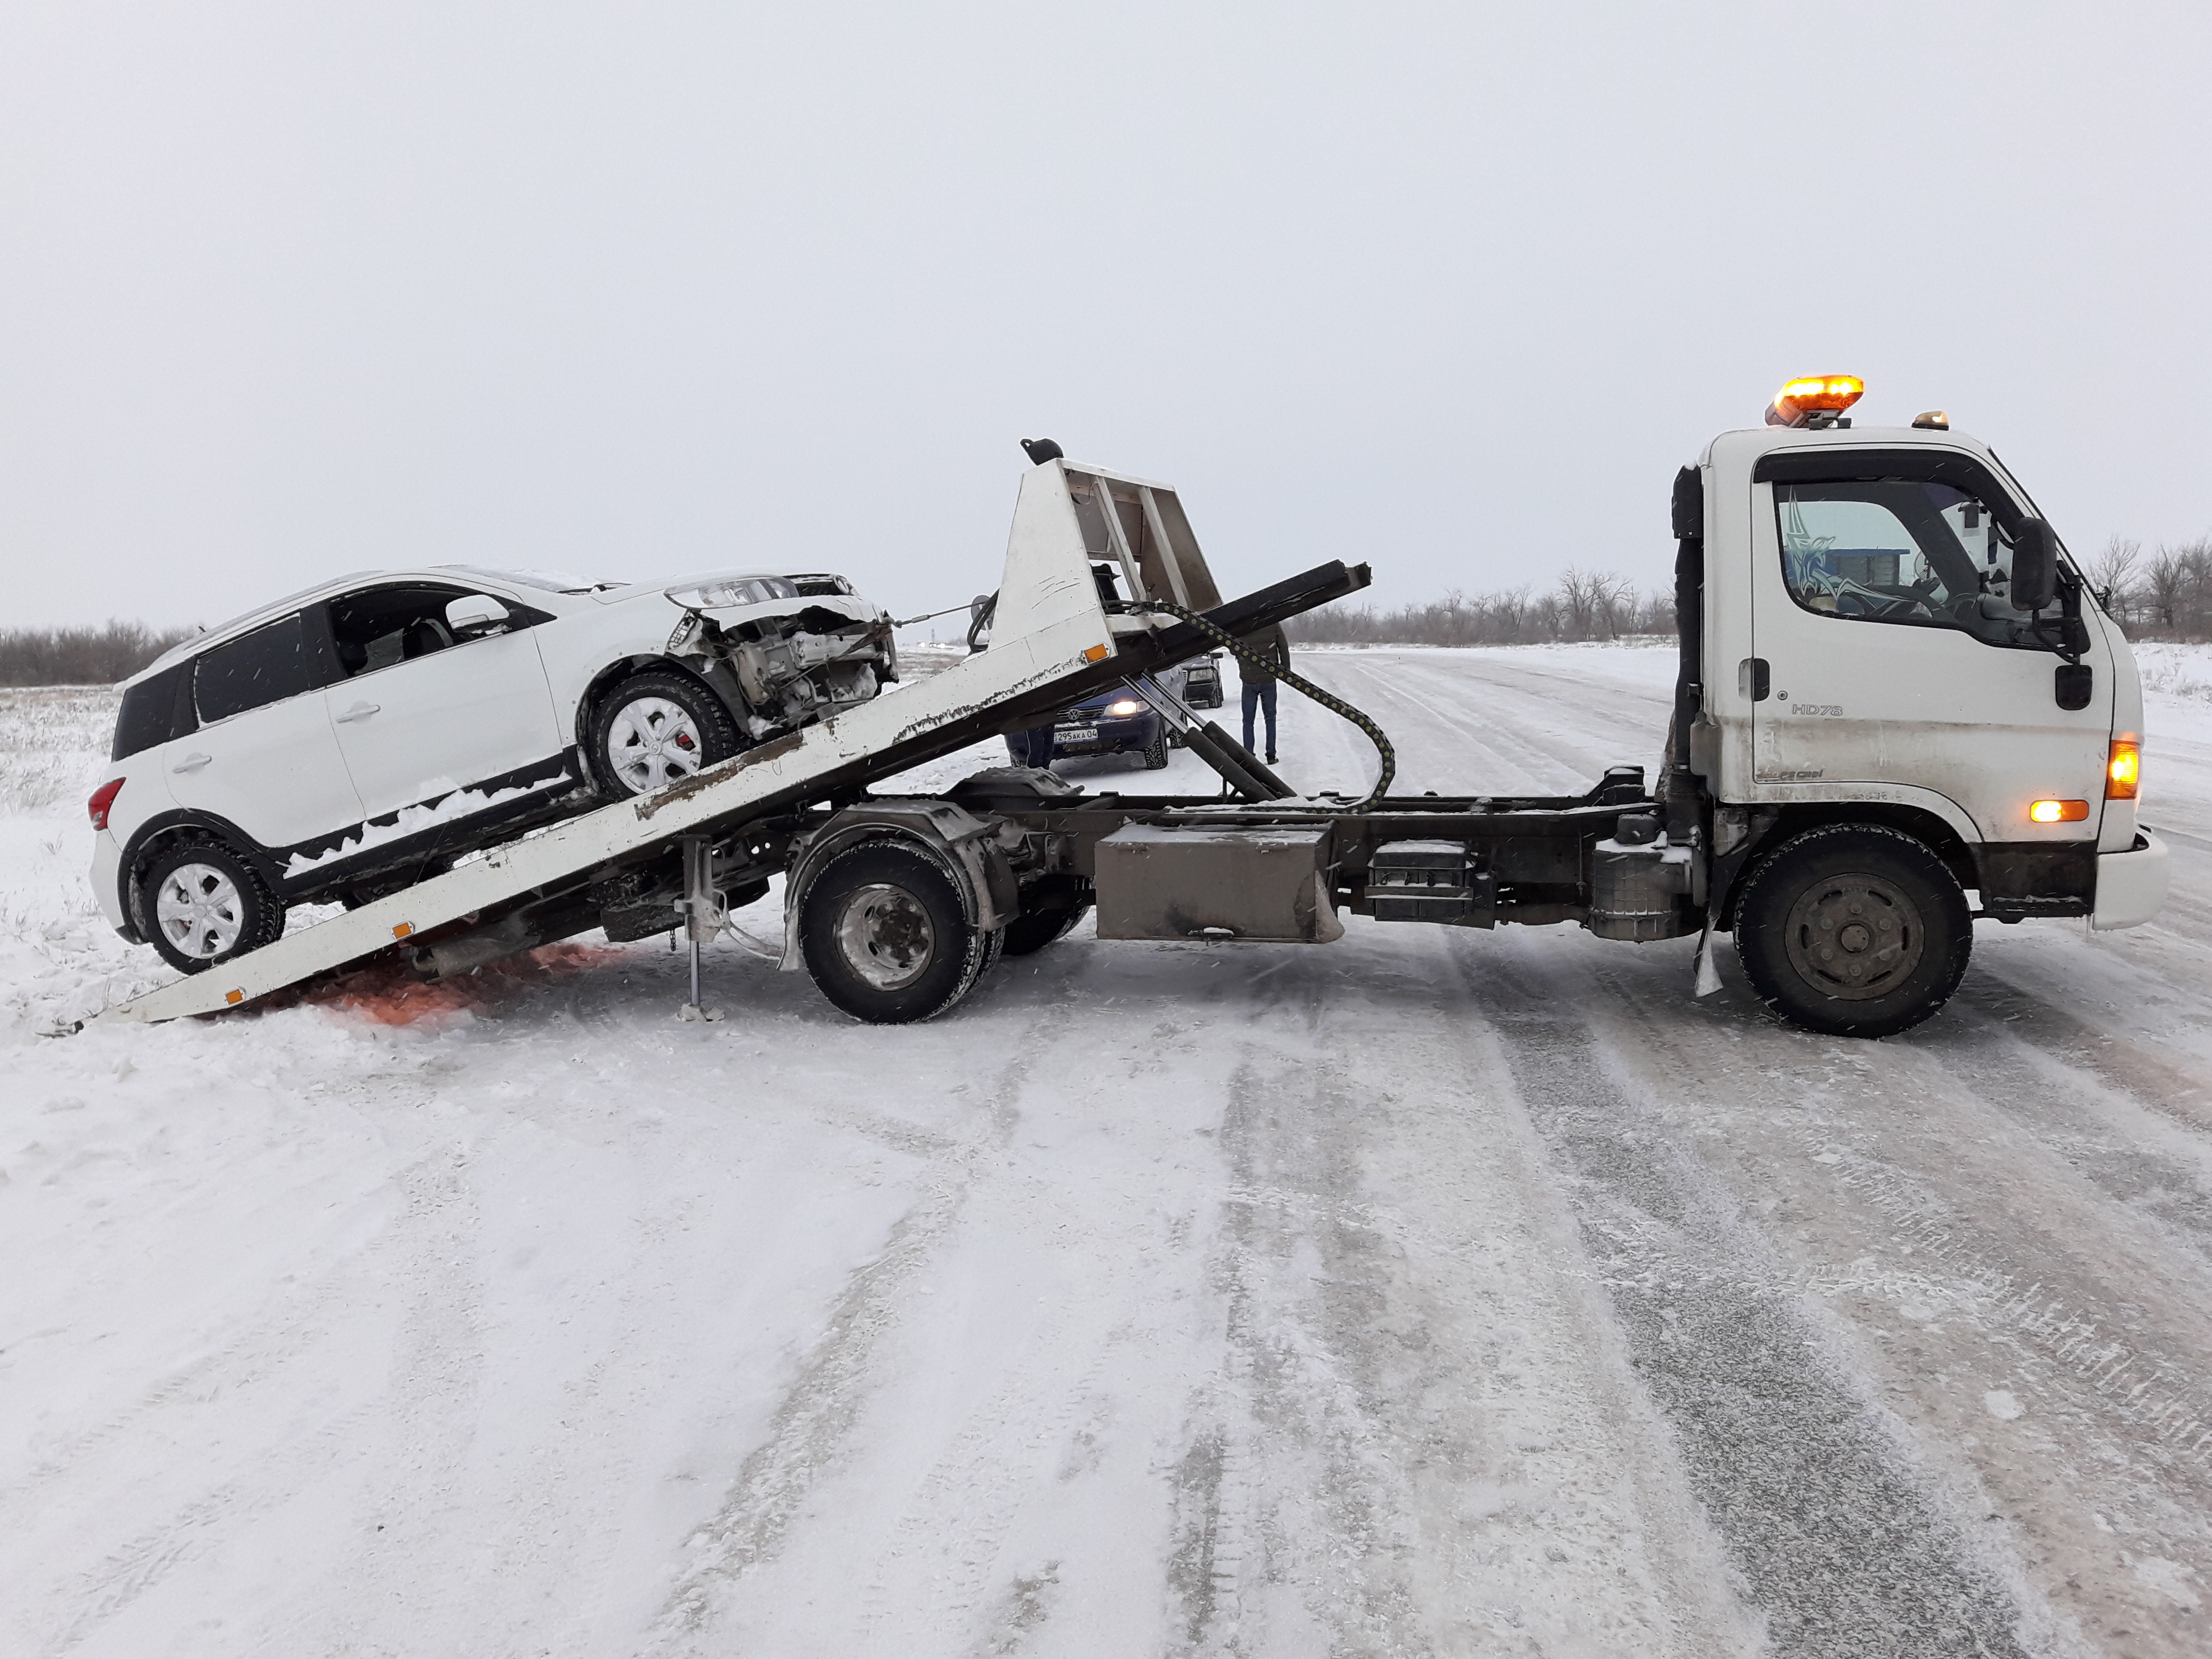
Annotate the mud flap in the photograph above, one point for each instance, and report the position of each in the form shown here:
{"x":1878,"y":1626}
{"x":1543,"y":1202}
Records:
{"x":1708,"y":979}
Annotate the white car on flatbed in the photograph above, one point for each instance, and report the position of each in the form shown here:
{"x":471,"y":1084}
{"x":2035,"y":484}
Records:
{"x":345,"y":742}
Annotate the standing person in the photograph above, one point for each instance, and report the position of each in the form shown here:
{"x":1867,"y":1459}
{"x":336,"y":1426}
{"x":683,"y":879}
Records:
{"x":1032,"y":747}
{"x":1273,"y":650}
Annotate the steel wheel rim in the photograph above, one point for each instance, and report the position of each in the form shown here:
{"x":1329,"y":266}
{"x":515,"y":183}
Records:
{"x":652,"y":741}
{"x":1855,"y":936}
{"x":885,"y":936}
{"x":199,"y":911}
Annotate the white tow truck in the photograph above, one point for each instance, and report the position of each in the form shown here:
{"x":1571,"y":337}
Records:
{"x":1899,"y":709}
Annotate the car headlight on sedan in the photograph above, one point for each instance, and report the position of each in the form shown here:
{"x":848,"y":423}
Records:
{"x":1126,"y":706}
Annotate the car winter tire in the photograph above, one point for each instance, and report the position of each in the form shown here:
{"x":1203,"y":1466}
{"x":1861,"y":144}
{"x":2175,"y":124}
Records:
{"x":655,"y":729}
{"x":886,"y":938}
{"x":1156,"y":751}
{"x":1855,"y":930}
{"x":1050,"y":913}
{"x":199,"y":904}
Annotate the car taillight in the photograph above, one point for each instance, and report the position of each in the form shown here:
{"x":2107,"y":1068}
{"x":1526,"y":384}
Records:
{"x":102,"y":799}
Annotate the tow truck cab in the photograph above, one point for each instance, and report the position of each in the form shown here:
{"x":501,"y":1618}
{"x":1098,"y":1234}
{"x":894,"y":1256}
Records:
{"x":1887,"y":632}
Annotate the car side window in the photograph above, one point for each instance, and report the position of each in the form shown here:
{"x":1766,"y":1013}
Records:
{"x":1900,"y":550}
{"x":264,"y":666}
{"x":381,"y":627}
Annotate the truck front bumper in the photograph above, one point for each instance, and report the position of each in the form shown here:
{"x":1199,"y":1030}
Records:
{"x":2130,"y":885}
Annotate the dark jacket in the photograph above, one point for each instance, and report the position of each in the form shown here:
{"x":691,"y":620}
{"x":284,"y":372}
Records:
{"x":1272,"y":647}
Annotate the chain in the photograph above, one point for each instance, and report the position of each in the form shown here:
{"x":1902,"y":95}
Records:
{"x":1329,"y":700}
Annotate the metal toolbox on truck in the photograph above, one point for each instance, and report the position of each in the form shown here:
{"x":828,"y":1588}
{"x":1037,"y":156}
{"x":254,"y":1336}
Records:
{"x":1199,"y":881}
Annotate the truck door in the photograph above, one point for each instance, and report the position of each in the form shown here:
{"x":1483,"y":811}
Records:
{"x":1887,"y":651}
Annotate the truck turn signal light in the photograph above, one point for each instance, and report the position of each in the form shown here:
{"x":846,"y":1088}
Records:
{"x":2124,"y":772}
{"x":2058,"y":812}
{"x":1815,"y":400}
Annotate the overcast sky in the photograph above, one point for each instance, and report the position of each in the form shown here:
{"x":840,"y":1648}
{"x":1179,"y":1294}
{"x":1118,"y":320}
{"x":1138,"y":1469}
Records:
{"x":633,"y":290}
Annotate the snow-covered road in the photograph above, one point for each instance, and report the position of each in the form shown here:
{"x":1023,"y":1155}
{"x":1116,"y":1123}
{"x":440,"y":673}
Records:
{"x":1436,"y":1291}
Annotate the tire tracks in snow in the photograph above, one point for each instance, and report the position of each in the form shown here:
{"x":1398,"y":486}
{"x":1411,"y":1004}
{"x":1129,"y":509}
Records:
{"x":1979,"y":1255}
{"x":817,"y":1415}
{"x":1417,"y":1438}
{"x":1839,"y":1540}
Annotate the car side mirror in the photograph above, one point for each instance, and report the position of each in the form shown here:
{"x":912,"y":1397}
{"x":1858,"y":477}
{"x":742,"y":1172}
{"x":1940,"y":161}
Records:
{"x":2034,"y":565}
{"x":474,"y":611}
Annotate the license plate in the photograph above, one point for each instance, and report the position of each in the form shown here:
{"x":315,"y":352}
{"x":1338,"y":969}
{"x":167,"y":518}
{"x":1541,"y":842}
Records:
{"x":1076,"y":734}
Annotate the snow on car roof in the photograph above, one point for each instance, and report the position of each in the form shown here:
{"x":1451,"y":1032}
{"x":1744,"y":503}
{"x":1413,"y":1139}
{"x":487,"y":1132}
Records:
{"x":246,"y":619}
{"x":548,"y":581}
{"x":177,"y":654}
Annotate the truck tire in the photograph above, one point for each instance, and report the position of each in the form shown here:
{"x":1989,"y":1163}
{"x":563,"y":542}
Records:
{"x":200,"y":903}
{"x":1050,"y":913}
{"x":886,"y":938}
{"x":1853,"y":929}
{"x":654,"y":728}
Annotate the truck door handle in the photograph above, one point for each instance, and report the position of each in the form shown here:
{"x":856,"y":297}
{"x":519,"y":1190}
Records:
{"x":192,"y":762}
{"x":1752,"y":678}
{"x":359,"y":711}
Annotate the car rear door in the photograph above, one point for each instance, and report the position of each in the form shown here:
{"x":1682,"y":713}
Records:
{"x":264,"y":757}
{"x":428,"y":721}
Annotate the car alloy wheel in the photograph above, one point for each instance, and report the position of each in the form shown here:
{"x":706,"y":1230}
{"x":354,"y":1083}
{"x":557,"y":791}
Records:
{"x":199,"y":901}
{"x":652,"y":742}
{"x":200,"y":911}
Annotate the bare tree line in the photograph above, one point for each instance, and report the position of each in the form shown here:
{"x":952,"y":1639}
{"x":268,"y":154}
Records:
{"x":81,"y":656}
{"x":1580,"y":606}
{"x":2163,"y":595}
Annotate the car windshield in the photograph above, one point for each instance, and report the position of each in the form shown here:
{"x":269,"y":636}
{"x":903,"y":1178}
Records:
{"x":546,"y":581}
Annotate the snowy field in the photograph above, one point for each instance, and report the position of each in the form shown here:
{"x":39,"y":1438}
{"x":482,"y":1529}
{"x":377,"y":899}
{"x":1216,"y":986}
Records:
{"x":1434,"y":1292}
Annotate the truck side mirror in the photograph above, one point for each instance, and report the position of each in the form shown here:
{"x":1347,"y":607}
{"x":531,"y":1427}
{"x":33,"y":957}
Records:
{"x":2034,"y":565}
{"x":476,"y":610}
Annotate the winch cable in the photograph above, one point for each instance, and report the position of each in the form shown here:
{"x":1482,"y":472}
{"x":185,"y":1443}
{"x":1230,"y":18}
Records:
{"x":1329,"y":700}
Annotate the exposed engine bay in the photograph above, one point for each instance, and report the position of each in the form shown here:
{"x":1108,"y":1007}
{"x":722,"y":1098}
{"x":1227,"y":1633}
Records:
{"x":790,"y":669}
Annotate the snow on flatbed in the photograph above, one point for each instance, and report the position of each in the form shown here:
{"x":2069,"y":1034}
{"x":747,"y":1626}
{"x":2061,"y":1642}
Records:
{"x":1430,"y":1291}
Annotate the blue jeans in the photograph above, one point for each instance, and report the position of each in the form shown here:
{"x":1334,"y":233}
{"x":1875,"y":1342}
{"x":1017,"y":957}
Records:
{"x":1030,"y":748}
{"x":1260,"y":696}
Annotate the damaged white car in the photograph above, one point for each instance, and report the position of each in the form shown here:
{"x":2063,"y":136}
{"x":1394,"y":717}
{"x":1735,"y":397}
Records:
{"x":346,"y":741}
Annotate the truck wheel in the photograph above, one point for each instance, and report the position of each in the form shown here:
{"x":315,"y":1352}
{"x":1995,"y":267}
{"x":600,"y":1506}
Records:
{"x":1857,"y":930}
{"x":202,"y":904}
{"x":654,"y":728}
{"x":885,"y":936}
{"x":1050,"y":913}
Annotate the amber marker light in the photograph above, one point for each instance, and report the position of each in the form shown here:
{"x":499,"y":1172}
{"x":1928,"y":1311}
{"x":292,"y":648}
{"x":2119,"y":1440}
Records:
{"x":2124,"y":772}
{"x":2058,"y":812}
{"x":1798,"y":403}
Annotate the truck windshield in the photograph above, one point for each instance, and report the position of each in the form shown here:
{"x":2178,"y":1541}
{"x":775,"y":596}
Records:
{"x":1899,"y":551}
